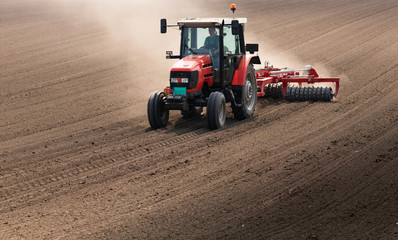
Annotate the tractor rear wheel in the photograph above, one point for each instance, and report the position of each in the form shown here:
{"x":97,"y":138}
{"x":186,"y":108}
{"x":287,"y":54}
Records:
{"x":216,"y":110}
{"x":158,"y":115}
{"x":247,"y":102}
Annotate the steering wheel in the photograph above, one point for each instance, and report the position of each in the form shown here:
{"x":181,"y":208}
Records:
{"x":190,"y":49}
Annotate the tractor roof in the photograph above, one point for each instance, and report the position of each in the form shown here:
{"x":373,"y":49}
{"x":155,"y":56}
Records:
{"x":207,"y":22}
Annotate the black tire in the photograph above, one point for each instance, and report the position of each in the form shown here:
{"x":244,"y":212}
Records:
{"x":158,"y":115}
{"x":216,"y":110}
{"x":150,"y":111}
{"x":247,"y":101}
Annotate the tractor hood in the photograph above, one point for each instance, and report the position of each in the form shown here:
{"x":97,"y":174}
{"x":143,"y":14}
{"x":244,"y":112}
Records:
{"x":192,"y":63}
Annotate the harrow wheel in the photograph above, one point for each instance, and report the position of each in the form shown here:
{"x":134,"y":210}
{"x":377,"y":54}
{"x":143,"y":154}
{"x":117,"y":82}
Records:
{"x":309,"y":94}
{"x":158,"y":115}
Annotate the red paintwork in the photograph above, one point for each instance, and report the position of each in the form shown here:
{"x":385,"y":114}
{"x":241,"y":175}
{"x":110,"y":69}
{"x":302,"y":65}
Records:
{"x":200,"y":63}
{"x":240,"y":73}
{"x":271,"y":76}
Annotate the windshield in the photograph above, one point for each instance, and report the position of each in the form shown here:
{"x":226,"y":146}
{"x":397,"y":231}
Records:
{"x":199,"y":40}
{"x":206,"y":40}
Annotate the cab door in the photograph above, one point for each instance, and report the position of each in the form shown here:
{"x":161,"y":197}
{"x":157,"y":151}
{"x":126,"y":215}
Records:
{"x":232,"y":53}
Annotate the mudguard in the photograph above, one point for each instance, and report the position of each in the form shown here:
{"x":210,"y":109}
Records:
{"x":240,"y":72}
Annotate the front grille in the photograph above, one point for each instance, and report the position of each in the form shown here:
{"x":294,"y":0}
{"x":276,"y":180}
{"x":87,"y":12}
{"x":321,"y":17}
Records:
{"x":192,"y":76}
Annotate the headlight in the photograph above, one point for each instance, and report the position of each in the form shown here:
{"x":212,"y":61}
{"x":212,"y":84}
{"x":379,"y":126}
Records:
{"x":179,"y":80}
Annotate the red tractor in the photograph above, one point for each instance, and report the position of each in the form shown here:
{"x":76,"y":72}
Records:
{"x":214,"y":69}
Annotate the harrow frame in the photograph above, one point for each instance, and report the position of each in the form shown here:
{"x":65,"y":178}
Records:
{"x":308,"y":75}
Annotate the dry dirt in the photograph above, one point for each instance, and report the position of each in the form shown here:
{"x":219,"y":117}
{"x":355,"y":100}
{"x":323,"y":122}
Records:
{"x":78,"y":160}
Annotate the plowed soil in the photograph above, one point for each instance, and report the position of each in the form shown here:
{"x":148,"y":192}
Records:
{"x":79,"y":161}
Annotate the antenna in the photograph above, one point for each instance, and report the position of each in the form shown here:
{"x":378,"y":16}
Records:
{"x":233,"y":8}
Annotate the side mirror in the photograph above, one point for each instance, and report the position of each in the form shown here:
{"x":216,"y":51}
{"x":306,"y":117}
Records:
{"x":163,"y":25}
{"x":235,"y":27}
{"x":252,"y":48}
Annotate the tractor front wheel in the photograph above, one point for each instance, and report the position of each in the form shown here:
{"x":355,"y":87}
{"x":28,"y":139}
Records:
{"x":216,"y":110}
{"x":158,"y":115}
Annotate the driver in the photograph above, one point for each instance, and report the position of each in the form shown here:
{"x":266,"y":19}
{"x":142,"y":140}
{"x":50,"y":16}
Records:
{"x":212,"y":41}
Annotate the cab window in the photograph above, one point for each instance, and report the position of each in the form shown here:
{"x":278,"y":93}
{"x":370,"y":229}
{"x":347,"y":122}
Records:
{"x":231,"y":42}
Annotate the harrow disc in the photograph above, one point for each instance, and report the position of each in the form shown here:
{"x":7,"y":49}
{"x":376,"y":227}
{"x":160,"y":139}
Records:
{"x":305,"y":93}
{"x":280,"y":92}
{"x":288,"y":93}
{"x":301,"y":98}
{"x":273,"y":91}
{"x":318,"y":94}
{"x":309,"y":94}
{"x":327,"y":94}
{"x":297,"y":94}
{"x":267,"y":90}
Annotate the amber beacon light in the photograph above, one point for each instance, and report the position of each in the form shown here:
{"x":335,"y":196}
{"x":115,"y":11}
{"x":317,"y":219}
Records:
{"x":233,"y":8}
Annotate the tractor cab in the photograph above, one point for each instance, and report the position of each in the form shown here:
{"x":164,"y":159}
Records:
{"x":214,"y":37}
{"x":222,"y":39}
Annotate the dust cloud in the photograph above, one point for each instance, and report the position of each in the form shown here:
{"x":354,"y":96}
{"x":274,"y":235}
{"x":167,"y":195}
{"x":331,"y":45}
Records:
{"x":135,"y":26}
